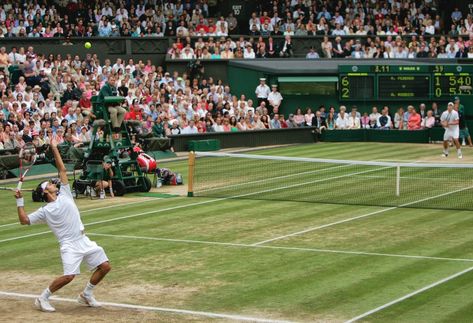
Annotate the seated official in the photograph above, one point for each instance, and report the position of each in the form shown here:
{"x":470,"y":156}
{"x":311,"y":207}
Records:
{"x":117,"y":113}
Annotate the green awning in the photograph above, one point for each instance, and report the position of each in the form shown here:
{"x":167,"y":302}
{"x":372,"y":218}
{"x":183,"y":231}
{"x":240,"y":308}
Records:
{"x":307,"y":79}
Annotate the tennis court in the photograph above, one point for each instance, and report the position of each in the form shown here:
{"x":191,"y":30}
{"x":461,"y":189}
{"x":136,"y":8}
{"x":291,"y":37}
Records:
{"x":284,"y":241}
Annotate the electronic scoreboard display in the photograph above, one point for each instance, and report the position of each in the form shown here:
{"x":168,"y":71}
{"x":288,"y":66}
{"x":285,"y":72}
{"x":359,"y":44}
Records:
{"x":410,"y":82}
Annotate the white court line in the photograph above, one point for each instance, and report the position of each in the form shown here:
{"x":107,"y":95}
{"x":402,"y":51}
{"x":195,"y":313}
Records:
{"x":358,"y":217}
{"x":242,"y":245}
{"x":154,"y":309}
{"x":194,"y":204}
{"x":92,"y":210}
{"x":382,"y":307}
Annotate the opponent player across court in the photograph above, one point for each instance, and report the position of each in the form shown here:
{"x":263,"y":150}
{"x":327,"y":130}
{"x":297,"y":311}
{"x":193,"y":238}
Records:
{"x":63,"y":218}
{"x":450,"y":120}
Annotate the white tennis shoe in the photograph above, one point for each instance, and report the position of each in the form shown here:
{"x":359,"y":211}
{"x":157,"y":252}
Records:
{"x":88,"y":300}
{"x":43,"y":305}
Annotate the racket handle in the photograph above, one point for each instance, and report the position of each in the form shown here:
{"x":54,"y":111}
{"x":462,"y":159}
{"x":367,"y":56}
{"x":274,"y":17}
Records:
{"x":20,"y":183}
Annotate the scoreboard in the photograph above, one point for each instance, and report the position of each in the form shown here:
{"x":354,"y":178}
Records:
{"x":408,"y":82}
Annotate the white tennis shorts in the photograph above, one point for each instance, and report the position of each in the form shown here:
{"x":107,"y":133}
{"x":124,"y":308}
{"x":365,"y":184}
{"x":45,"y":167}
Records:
{"x":451,"y":134}
{"x":74,"y":253}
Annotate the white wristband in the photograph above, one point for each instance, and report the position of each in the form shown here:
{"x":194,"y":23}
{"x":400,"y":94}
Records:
{"x":20,"y":202}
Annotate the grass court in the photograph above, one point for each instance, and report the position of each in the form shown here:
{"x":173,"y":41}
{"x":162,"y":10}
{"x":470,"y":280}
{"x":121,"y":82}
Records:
{"x":222,"y":259}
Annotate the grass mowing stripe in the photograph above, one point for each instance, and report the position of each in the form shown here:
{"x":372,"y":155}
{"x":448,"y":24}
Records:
{"x":231,"y":244}
{"x":400,"y":299}
{"x":233,"y":317}
{"x":360,"y":216}
{"x":93,"y":210}
{"x":195,"y":204}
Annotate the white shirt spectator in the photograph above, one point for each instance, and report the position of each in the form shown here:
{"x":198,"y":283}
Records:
{"x":187,"y":54}
{"x":189,"y":130}
{"x":342,"y":121}
{"x":262,"y":91}
{"x":275,"y":98}
{"x":249,"y":53}
{"x":354,"y":122}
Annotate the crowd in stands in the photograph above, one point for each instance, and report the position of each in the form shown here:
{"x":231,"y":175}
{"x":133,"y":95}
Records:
{"x":409,"y":118}
{"x":384,"y":22}
{"x":50,"y":96}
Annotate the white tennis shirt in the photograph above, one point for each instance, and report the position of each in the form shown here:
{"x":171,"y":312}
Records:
{"x":450,"y":116}
{"x":62,"y":216}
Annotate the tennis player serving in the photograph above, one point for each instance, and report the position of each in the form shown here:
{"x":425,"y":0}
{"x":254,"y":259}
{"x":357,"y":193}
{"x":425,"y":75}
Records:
{"x":62,"y":216}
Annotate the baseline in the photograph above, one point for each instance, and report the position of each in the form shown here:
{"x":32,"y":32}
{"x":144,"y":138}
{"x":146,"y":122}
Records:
{"x":234,"y":317}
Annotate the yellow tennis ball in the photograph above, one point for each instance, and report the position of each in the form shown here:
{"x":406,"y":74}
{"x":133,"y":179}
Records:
{"x":87,"y":45}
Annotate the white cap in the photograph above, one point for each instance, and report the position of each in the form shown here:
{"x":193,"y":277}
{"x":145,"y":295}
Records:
{"x":44,"y":185}
{"x":450,"y":103}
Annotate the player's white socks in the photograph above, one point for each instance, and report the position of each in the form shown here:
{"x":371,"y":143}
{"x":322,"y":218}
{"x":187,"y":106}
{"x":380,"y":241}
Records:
{"x":46,"y":293}
{"x":89,"y":289}
{"x":445,"y":151}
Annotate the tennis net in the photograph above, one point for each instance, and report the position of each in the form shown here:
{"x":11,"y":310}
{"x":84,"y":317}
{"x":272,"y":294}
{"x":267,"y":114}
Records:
{"x":389,"y":184}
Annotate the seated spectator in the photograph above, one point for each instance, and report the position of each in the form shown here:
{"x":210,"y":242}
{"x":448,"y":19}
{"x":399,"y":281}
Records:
{"x":428,"y":121}
{"x":342,"y":121}
{"x":299,"y":117}
{"x":249,"y":53}
{"x":190,"y":128}
{"x":318,"y":121}
{"x":286,"y":47}
{"x":291,"y":122}
{"x":414,"y":121}
{"x":365,"y":121}
{"x":312,"y":54}
{"x":330,"y":121}
{"x":399,"y":119}
{"x":384,"y":120}
{"x":266,"y":122}
{"x":308,"y":116}
{"x":354,"y":120}
{"x":282,"y":122}
{"x":275,"y":124}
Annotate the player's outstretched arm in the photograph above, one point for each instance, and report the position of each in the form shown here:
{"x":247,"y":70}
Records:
{"x":59,"y":163}
{"x":21,"y":210}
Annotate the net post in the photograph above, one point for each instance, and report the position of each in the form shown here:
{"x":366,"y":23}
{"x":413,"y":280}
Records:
{"x":190,"y":179}
{"x":398,"y":180}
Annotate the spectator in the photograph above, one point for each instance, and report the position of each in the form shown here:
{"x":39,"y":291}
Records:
{"x":291,"y":123}
{"x":342,"y":121}
{"x":399,"y":119}
{"x":262,"y":91}
{"x":354,"y":120}
{"x":286,"y":47}
{"x":365,"y":121}
{"x":299,"y":118}
{"x":312,"y":54}
{"x":275,"y":123}
{"x":275,"y":99}
{"x":428,"y":121}
{"x":414,"y":121}
{"x":318,"y":121}
{"x":384,"y":120}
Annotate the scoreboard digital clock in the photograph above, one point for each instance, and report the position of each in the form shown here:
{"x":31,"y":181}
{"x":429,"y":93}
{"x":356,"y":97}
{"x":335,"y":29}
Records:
{"x":409,"y":82}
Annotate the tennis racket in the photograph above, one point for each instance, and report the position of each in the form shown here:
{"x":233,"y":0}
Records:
{"x":3,"y":188}
{"x":27,"y":157}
